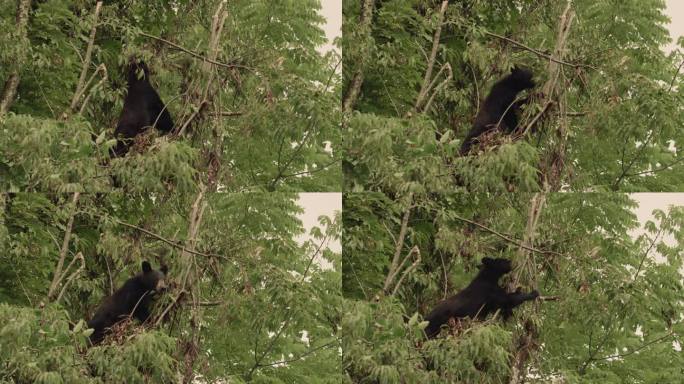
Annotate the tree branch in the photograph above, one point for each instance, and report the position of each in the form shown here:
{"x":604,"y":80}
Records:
{"x":635,"y":350}
{"x":427,"y":79}
{"x":526,"y":342}
{"x":354,"y":89}
{"x":539,"y":53}
{"x":288,"y":316}
{"x":310,"y":351}
{"x":399,"y":244}
{"x":519,"y":243}
{"x":415,"y":250}
{"x":170,"y":242}
{"x":196,"y":55}
{"x":12,"y":82}
{"x":80,"y":86}
{"x":188,"y":261}
{"x":102,"y":68}
{"x":79,"y":256}
{"x":57,"y":278}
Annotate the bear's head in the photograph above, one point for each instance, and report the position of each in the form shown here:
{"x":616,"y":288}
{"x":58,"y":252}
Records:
{"x":521,"y":78}
{"x":496,"y":267}
{"x":153,"y":279}
{"x":137,"y":70}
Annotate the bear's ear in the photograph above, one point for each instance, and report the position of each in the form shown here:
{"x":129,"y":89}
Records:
{"x":487,"y":261}
{"x":164,"y":269}
{"x":147,"y":268}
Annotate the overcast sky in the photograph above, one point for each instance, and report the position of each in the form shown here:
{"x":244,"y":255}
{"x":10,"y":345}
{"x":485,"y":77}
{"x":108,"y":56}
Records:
{"x":675,"y":10}
{"x":650,"y":201}
{"x":332,"y":11}
{"x":315,"y":205}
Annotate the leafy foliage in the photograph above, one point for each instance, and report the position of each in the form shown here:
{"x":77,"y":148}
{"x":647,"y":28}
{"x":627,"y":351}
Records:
{"x":266,"y":117}
{"x":608,"y":129}
{"x":264,"y":307}
{"x":617,"y":317}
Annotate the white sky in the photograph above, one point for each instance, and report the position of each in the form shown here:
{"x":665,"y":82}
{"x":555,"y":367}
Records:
{"x":650,"y":201}
{"x":675,"y":10}
{"x":315,"y":205}
{"x":332,"y":11}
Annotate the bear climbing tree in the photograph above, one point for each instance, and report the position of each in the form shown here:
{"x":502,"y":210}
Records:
{"x":142,"y":109}
{"x":132,"y":299}
{"x":500,"y":109}
{"x":480,"y":298}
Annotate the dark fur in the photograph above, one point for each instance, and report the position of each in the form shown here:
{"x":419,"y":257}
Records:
{"x":142,"y":108}
{"x":497,"y":104}
{"x":480,"y":298}
{"x":133,"y":298}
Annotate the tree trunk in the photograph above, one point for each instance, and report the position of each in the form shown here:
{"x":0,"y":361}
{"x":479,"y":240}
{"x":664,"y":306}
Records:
{"x":12,"y":82}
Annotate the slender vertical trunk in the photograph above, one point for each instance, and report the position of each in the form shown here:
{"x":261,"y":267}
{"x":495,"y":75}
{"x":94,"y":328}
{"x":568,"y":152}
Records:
{"x":354,"y":89}
{"x":12,"y":83}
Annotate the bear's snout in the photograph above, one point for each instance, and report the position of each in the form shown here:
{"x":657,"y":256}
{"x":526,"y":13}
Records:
{"x":161,"y":286}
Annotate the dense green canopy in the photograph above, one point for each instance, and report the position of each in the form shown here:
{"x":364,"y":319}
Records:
{"x":612,"y":309}
{"x":245,"y":302}
{"x":256,"y":106}
{"x":607,"y":114}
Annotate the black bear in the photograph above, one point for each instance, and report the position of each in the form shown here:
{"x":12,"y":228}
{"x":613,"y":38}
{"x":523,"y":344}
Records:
{"x":142,"y":108}
{"x":500,"y":102}
{"x":132,"y":299}
{"x":482,"y":296}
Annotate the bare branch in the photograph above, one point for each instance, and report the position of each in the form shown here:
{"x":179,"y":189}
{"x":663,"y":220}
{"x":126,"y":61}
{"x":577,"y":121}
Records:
{"x":292,"y":360}
{"x":170,"y":242}
{"x":413,"y":251}
{"x":12,"y":82}
{"x":635,"y":350}
{"x":427,"y":79}
{"x":399,"y":244}
{"x":57,"y":278}
{"x":441,"y":85}
{"x":679,"y":68}
{"x":187,"y":260}
{"x":357,"y":79}
{"x":539,"y":53}
{"x":78,"y":256}
{"x":519,"y":243}
{"x":81,"y":86}
{"x":102,"y":68}
{"x":197,"y":55}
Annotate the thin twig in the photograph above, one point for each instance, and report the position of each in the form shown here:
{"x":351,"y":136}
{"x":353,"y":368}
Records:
{"x":507,"y":238}
{"x":102,"y":68}
{"x":196,"y":55}
{"x":679,"y":68}
{"x":408,"y":270}
{"x":398,"y":245}
{"x":427,"y":79}
{"x":441,"y":85}
{"x":78,"y":256}
{"x":57,"y":278}
{"x":635,"y":350}
{"x":354,"y":87}
{"x":292,"y":360}
{"x":322,"y":168}
{"x":12,"y":82}
{"x":539,"y":53}
{"x":169,"y":242}
{"x":288,"y":316}
{"x":81,"y":86}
